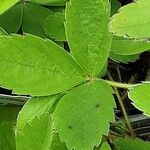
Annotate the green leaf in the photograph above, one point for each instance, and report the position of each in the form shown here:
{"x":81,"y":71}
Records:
{"x":56,"y":144}
{"x":132,"y":20}
{"x":33,"y":22}
{"x":54,"y":26}
{"x":2,"y":31}
{"x":6,"y":4}
{"x":34,"y":108}
{"x":11,"y":20}
{"x":31,"y":65}
{"x":115,"y":5}
{"x":8,"y":115}
{"x":131,"y":144}
{"x":49,"y":2}
{"x":140,"y":96}
{"x":7,"y":136}
{"x":124,"y":46}
{"x":123,"y":58}
{"x":36,"y":135}
{"x":82,"y":116}
{"x":105,"y":146}
{"x":87,"y":33}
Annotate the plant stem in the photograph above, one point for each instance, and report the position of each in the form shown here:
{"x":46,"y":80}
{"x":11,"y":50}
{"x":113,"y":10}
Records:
{"x":120,"y":85}
{"x":127,"y":122}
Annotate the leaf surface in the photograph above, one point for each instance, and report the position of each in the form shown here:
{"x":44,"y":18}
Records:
{"x":31,"y":65}
{"x":6,"y":4}
{"x":8,"y":115}
{"x":49,"y":2}
{"x":82,"y":116}
{"x":54,"y":26}
{"x":130,"y":144}
{"x":12,"y":19}
{"x":56,"y":144}
{"x":105,"y":146}
{"x":140,"y":95}
{"x":35,"y":135}
{"x":124,"y":46}
{"x":132,"y":20}
{"x":33,"y":22}
{"x":123,"y":58}
{"x":87,"y":33}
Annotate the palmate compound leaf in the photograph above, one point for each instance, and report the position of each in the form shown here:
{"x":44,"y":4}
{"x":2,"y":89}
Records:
{"x":6,"y":4}
{"x":31,"y":65}
{"x":34,"y":123}
{"x":140,"y":95}
{"x":87,"y":33}
{"x":131,"y":144}
{"x":132,"y":20}
{"x":82,"y":116}
{"x":49,"y":2}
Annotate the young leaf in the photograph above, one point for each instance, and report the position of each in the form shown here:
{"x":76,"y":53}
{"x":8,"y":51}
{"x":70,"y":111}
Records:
{"x":6,"y":4}
{"x":54,"y":26}
{"x":33,"y":22}
{"x":82,"y":116}
{"x":49,"y":2}
{"x":140,"y":95}
{"x":131,"y":144}
{"x":12,"y":19}
{"x":36,"y":135}
{"x":34,"y":108}
{"x":56,"y":144}
{"x":87,"y":33}
{"x":132,"y":20}
{"x":8,"y":115}
{"x":31,"y":65}
{"x":124,"y":46}
{"x":123,"y":58}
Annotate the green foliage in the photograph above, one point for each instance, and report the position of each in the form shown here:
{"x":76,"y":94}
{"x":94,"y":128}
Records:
{"x":86,"y":32}
{"x":105,"y":146}
{"x":82,"y":115}
{"x":7,"y":126}
{"x":132,"y":20}
{"x":12,"y":19}
{"x":33,"y":22}
{"x":140,"y":96}
{"x":35,"y":135}
{"x":40,"y":68}
{"x":130,"y":144}
{"x":70,"y":107}
{"x":6,"y":4}
{"x":49,"y":2}
{"x":54,"y":26}
{"x":124,"y":46}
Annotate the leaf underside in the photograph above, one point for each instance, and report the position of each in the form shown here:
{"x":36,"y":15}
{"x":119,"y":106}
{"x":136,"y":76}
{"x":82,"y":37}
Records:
{"x":82,"y":116}
{"x":140,"y":95}
{"x":87,"y":33}
{"x":31,"y":65}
